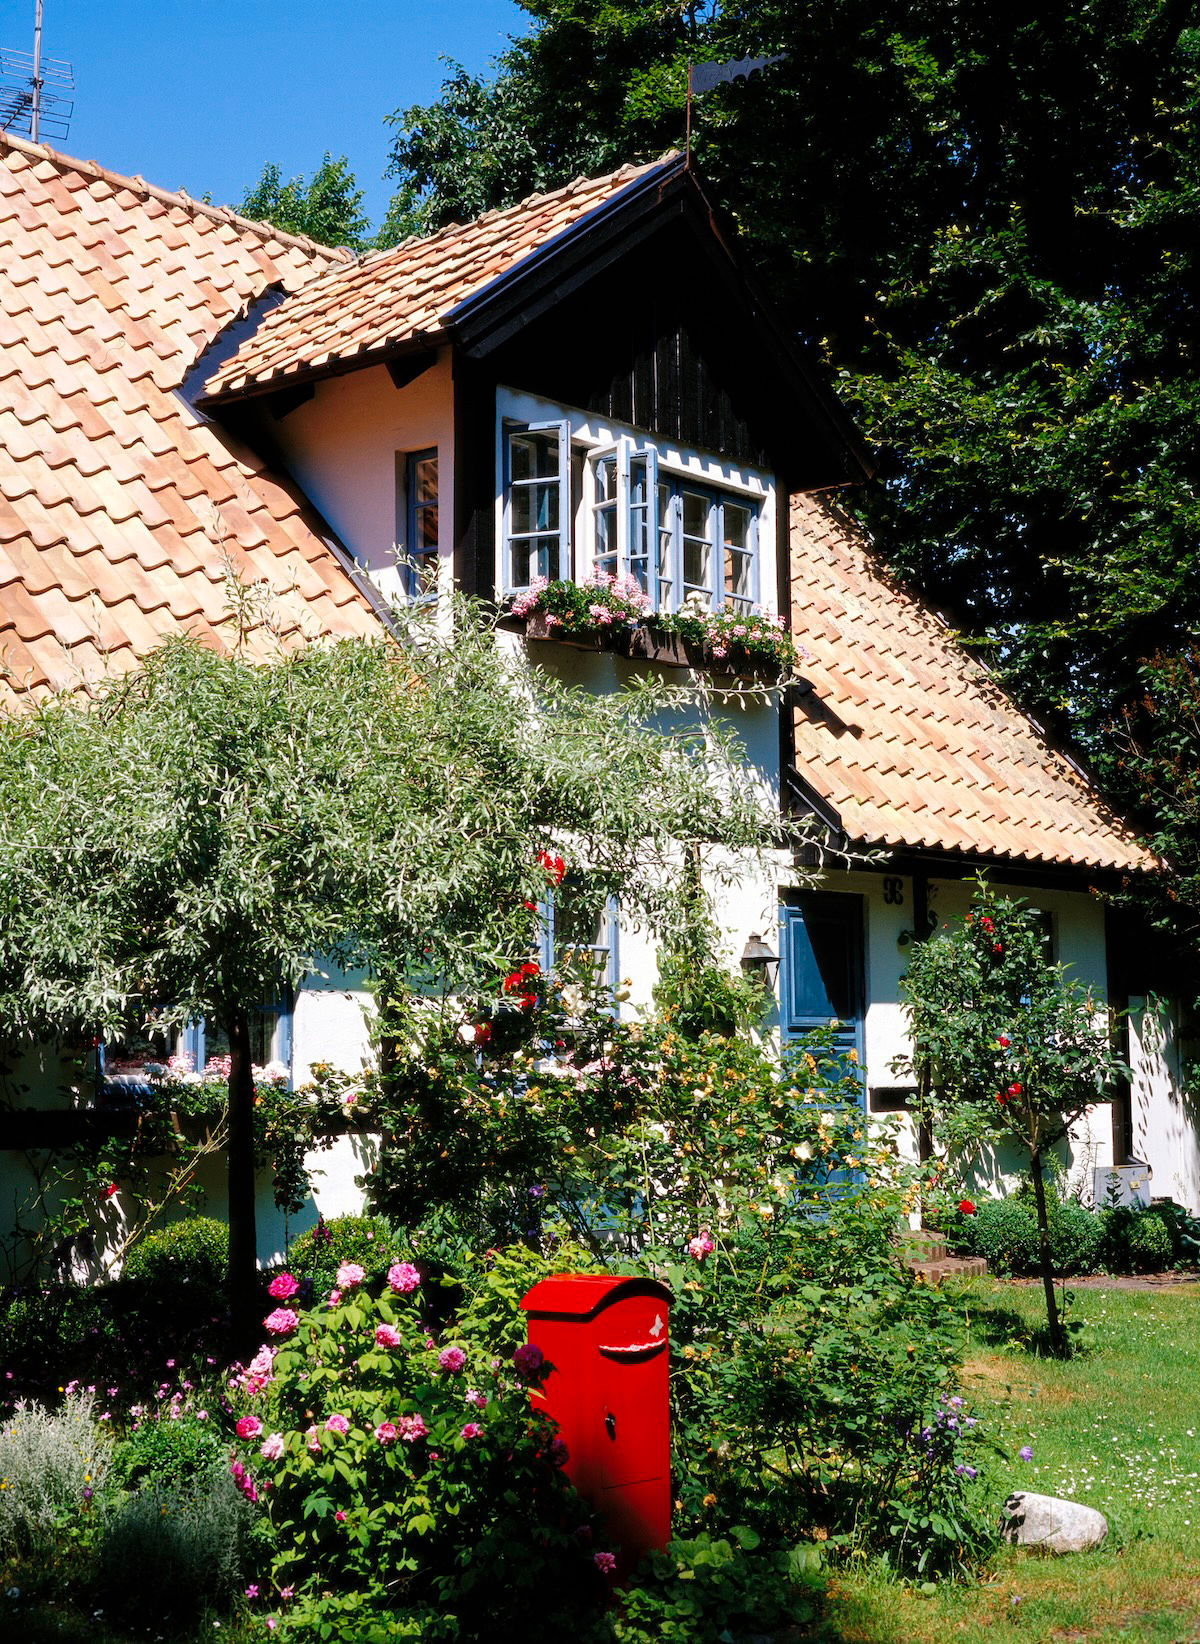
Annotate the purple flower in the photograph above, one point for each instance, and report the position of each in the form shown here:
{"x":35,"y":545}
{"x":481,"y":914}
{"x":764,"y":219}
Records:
{"x":604,"y":1562}
{"x":403,"y":1277}
{"x":252,"y":1590}
{"x":1025,"y":1453}
{"x":451,"y":1360}
{"x":528,"y":1360}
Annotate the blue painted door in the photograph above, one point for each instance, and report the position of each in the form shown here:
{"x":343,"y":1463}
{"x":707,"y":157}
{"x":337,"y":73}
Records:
{"x":821,"y":974}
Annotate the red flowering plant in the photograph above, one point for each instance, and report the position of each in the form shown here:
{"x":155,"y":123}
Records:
{"x":380,"y":1445}
{"x":1007,"y":1048}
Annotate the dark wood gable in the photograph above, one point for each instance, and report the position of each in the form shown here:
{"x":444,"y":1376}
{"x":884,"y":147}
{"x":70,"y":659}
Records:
{"x":644,"y":315}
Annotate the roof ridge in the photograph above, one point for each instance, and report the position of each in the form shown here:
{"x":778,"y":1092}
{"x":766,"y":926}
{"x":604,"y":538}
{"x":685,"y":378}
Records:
{"x":172,"y":197}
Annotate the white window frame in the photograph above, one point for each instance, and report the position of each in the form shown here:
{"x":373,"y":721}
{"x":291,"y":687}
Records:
{"x":561,"y":428}
{"x":584,"y":440}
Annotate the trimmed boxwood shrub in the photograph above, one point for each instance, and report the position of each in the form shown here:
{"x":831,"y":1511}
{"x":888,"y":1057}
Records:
{"x":193,"y":1251}
{"x":1137,"y":1241}
{"x":1006,"y":1232}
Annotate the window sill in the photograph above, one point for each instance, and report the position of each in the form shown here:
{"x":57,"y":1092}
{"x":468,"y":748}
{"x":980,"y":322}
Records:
{"x":649,"y":643}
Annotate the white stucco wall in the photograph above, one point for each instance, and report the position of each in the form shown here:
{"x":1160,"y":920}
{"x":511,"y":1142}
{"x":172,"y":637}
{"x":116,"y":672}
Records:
{"x":1166,"y":1120}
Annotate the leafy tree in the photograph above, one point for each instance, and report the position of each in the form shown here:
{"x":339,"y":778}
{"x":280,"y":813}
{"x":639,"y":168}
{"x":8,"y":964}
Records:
{"x":328,"y":209}
{"x":1006,"y":1048}
{"x":205,"y":829}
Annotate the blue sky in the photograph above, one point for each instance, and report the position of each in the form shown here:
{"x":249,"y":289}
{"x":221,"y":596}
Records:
{"x":199,"y":96}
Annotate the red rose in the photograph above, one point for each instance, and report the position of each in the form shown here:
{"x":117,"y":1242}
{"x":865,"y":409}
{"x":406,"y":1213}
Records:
{"x":1014,"y":1090}
{"x":1003,"y":1042}
{"x":966,"y":1208}
{"x":554,"y":866}
{"x":110,"y":1190}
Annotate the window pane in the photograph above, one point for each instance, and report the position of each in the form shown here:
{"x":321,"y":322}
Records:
{"x":427,"y":530}
{"x":534,"y":557}
{"x":737,"y":525}
{"x":533,"y":456}
{"x":425,"y":480}
{"x":534,"y":508}
{"x":695,"y":515}
{"x":695,"y":564}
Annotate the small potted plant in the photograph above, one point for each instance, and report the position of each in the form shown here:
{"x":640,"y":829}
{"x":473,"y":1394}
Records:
{"x":591,"y":613}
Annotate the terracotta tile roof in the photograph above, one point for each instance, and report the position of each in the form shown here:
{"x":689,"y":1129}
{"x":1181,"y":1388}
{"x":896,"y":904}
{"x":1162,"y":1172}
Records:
{"x":908,"y":741}
{"x":352,"y":315}
{"x":120,"y":506}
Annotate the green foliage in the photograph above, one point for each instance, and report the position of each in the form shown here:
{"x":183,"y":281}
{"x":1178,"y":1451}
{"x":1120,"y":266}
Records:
{"x":1137,"y":1241}
{"x":52,"y":1462}
{"x":169,"y":1552}
{"x":707,"y":1589}
{"x":192,"y":1252}
{"x":328,"y":209}
{"x":169,"y":1452}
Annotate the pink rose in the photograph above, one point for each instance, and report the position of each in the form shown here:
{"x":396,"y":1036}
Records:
{"x":386,"y":1335}
{"x":701,"y":1245}
{"x":604,"y":1562}
{"x":335,"y":1297}
{"x":386,"y":1433}
{"x":472,"y":1430}
{"x":339,"y":1517}
{"x":337,"y":1424}
{"x":478,"y":1399}
{"x":403,"y":1277}
{"x":349,"y":1274}
{"x":313,"y":1439}
{"x":283,"y":1287}
{"x":411,"y":1428}
{"x":271,"y":1448}
{"x":249,"y":1427}
{"x":451,"y":1360}
{"x":281,"y":1322}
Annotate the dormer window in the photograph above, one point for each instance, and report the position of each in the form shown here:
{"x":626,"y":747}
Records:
{"x":684,"y":528}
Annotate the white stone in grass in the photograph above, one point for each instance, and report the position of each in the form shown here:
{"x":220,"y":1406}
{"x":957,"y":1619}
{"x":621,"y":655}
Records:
{"x":1049,"y":1524}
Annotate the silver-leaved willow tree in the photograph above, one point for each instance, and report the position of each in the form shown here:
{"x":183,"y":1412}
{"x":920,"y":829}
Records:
{"x":203,"y":828}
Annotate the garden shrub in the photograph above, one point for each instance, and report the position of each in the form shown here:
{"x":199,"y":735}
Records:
{"x":1136,"y":1240}
{"x":167,"y":1553}
{"x":316,"y":1255}
{"x":705,"y":1590}
{"x":194,"y":1251}
{"x":52,"y":1463}
{"x":1149,"y":1244}
{"x":1006,"y":1232}
{"x":412,"y":1471}
{"x":169,"y":1450}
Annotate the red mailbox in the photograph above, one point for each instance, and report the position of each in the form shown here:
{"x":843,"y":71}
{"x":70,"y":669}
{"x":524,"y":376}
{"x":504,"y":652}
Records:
{"x":607,"y":1340}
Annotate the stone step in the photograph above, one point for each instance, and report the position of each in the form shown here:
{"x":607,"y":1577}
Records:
{"x":949,"y":1267}
{"x":922,"y":1245}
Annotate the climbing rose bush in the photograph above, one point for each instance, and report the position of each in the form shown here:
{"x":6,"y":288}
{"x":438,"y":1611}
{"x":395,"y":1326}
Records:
{"x":379,"y":1454}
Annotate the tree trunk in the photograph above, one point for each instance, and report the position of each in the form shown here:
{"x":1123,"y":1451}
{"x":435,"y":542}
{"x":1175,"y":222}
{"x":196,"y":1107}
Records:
{"x":243,"y":1241}
{"x":1058,"y":1344}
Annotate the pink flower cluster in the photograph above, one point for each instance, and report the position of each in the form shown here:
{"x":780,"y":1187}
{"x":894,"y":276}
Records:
{"x":411,"y":1428}
{"x":528,"y":601}
{"x":257,"y":1373}
{"x":243,"y":1481}
{"x":403,"y":1277}
{"x":701,"y":1245}
{"x":451,"y":1360}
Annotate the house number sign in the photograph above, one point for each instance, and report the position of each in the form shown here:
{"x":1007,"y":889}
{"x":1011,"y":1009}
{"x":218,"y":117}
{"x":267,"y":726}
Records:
{"x":893,"y":892}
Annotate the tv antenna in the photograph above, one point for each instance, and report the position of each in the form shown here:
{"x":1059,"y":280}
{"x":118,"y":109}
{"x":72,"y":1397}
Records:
{"x":34,"y":91}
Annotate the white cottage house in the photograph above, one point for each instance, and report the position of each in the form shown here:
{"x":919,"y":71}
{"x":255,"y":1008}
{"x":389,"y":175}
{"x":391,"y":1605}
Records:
{"x":585,"y":382}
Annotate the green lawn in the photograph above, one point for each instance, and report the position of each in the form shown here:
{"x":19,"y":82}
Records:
{"x":1117,"y":1428}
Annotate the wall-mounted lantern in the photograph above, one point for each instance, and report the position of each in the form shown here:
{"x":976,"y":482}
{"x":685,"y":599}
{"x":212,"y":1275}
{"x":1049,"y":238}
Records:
{"x":759,"y":964}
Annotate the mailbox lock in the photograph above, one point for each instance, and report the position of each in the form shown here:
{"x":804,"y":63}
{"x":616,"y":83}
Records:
{"x":610,"y":1425}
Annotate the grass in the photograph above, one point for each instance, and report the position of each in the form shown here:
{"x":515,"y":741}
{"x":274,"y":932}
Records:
{"x":1115,"y":1427}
